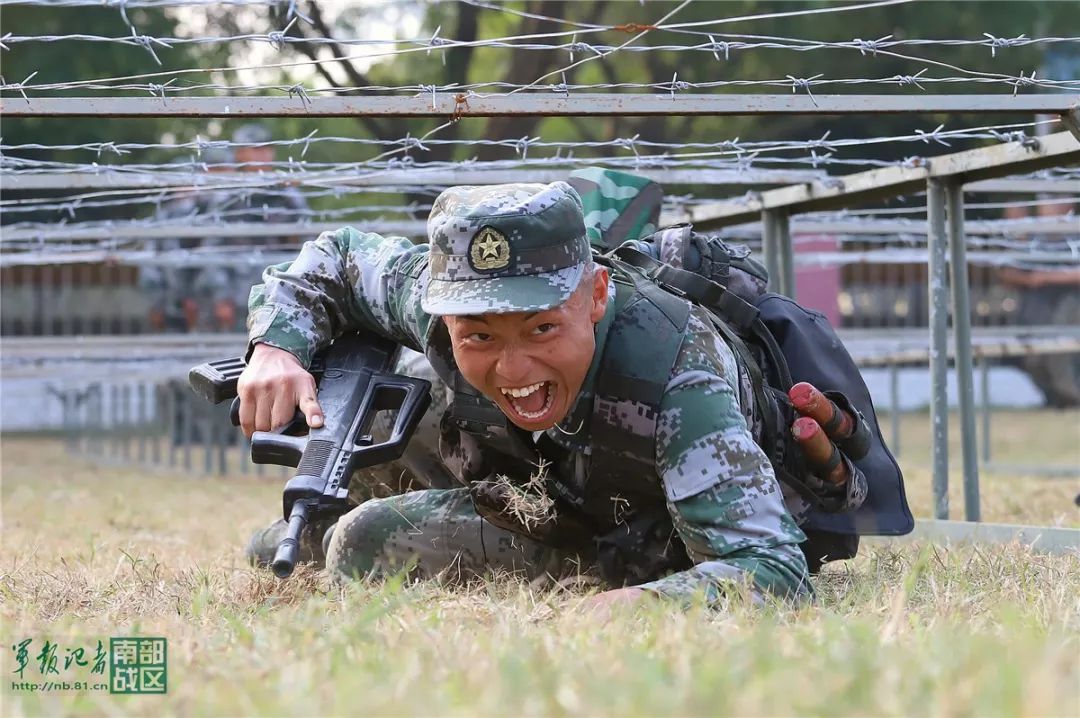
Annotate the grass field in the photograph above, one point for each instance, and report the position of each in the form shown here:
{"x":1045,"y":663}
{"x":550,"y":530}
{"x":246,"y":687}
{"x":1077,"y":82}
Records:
{"x":95,"y":551}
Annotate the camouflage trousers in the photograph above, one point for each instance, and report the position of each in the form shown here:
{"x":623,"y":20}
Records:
{"x":434,"y":533}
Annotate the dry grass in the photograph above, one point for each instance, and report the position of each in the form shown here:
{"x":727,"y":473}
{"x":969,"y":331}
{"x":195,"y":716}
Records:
{"x":96,"y":552}
{"x":527,"y":503}
{"x":1020,"y":439}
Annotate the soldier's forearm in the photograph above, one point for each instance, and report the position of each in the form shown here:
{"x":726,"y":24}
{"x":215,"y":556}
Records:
{"x":342,"y":281}
{"x":779,"y":572}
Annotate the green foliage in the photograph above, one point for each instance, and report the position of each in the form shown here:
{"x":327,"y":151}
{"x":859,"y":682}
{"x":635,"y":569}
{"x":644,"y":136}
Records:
{"x":79,"y":61}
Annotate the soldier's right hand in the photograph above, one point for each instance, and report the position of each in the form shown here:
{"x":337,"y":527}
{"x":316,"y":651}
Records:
{"x":272,"y":385}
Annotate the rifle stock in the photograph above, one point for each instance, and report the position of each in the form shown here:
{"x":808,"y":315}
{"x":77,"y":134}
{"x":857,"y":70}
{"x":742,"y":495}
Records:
{"x":355,"y":383}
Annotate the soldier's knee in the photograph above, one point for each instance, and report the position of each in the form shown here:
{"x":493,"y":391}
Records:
{"x":359,"y":544}
{"x":263,"y":544}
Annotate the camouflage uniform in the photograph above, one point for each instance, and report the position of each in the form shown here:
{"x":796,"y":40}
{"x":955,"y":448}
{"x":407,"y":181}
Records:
{"x":722,"y":500}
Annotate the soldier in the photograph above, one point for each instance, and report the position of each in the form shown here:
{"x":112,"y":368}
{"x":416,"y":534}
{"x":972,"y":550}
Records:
{"x":190,"y":298}
{"x":539,"y":345}
{"x":277,"y":205}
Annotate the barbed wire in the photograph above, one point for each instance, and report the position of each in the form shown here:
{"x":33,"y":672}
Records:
{"x":746,"y":156}
{"x":222,"y":214}
{"x":522,"y":145}
{"x":725,"y":45}
{"x":281,"y":38}
{"x":851,"y":248}
{"x":483,"y":89}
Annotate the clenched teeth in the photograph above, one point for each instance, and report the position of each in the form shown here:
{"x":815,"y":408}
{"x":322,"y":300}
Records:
{"x":523,"y":391}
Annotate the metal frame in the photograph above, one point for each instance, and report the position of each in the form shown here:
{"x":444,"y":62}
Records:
{"x":543,"y":102}
{"x":994,"y":162}
{"x":944,"y":179}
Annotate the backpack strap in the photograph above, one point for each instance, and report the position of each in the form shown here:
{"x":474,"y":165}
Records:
{"x":694,"y":287}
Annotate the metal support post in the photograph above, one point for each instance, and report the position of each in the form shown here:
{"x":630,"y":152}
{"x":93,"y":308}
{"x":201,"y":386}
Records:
{"x":770,"y":248}
{"x":187,"y":422}
{"x":141,"y":419}
{"x":965,"y":367}
{"x":984,"y":385}
{"x":172,"y":424}
{"x":221,"y":439}
{"x":99,"y":421}
{"x":114,"y":421}
{"x":126,"y":425}
{"x":939,"y":353}
{"x":208,"y":435}
{"x":67,"y":400}
{"x":159,"y":422}
{"x":787,"y":254}
{"x":894,"y":412}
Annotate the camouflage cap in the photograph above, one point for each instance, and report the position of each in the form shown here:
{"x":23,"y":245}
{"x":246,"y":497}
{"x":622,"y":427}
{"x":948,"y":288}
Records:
{"x":250,"y":134}
{"x":505,"y":248}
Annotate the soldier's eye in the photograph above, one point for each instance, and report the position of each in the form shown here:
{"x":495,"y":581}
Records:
{"x":544,"y":328}
{"x":479,"y":337}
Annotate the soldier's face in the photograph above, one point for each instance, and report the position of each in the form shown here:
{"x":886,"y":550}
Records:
{"x":254,"y":158}
{"x":532,"y":364}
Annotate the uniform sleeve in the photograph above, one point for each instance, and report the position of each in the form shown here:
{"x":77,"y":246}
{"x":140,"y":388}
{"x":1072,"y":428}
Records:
{"x":344,"y":280}
{"x":722,"y":494}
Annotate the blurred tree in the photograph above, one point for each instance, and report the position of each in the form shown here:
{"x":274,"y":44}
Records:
{"x":465,"y":21}
{"x":68,"y":62}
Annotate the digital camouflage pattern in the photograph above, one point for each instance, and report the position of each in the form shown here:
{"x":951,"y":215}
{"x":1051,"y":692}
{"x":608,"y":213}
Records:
{"x":618,"y":206}
{"x":718,"y":487}
{"x":504,"y":248}
{"x":437,"y":534}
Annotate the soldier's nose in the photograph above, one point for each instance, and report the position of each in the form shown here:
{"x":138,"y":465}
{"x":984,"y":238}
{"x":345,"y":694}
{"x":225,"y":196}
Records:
{"x":512,"y":367}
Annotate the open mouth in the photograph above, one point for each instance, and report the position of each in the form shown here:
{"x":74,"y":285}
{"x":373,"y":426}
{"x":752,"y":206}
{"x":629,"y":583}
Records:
{"x":531,"y":403}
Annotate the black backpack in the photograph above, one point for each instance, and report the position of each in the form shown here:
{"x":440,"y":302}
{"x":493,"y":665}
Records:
{"x":782,"y":343}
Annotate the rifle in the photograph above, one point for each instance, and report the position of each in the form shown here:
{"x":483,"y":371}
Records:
{"x":354,"y":382}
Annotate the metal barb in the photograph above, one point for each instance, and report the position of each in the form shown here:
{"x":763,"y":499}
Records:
{"x":1025,"y":81}
{"x":299,"y":90}
{"x":676,"y":84}
{"x":933,"y":135}
{"x":19,"y":86}
{"x":278,"y":38}
{"x":995,"y":42}
{"x":717,"y":47}
{"x":804,"y":83}
{"x":909,"y":79}
{"x":870,"y":46}
{"x":147,"y":43}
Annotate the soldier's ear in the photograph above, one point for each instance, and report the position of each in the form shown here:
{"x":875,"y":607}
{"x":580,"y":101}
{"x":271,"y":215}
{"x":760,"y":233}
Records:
{"x":599,"y":294}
